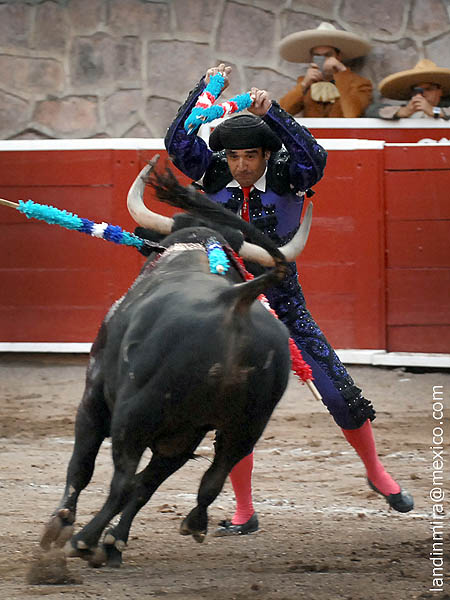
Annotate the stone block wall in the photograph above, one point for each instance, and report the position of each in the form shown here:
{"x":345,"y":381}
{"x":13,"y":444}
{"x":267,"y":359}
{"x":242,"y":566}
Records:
{"x":120,"y":68}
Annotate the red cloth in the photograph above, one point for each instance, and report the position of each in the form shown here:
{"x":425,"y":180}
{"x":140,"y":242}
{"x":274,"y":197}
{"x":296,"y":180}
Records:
{"x":244,"y":211}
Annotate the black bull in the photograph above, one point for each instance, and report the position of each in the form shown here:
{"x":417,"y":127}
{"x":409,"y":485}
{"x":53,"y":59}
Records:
{"x":184,"y":352}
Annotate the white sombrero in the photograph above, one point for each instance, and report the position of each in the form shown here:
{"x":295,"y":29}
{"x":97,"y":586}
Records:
{"x":398,"y":85}
{"x":296,"y":46}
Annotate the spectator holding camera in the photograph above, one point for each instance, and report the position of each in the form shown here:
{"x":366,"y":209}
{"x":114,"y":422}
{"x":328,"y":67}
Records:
{"x":424,"y":87}
{"x":329,"y":88}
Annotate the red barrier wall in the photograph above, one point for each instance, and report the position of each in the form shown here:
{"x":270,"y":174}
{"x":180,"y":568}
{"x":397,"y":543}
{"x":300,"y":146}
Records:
{"x":342,"y":267}
{"x":370,"y":275}
{"x":417,"y":184}
{"x":57,"y":284}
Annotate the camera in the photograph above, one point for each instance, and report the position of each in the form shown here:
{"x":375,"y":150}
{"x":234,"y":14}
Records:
{"x":417,"y":90}
{"x":319,"y":60}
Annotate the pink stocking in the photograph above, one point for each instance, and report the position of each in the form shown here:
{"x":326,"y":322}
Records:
{"x":241,"y":480}
{"x":363,"y":442}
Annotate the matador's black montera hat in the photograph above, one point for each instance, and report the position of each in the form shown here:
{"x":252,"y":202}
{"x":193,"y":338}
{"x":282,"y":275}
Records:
{"x":241,"y":132}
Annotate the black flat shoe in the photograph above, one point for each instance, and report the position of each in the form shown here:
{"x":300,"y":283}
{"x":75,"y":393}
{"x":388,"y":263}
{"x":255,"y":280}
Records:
{"x":402,"y":501}
{"x":227,"y":528}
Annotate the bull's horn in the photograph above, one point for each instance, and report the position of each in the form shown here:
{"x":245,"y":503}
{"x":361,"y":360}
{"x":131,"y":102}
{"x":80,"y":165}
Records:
{"x":137,"y":209}
{"x":256,"y":254}
{"x":295,"y":247}
{"x":290,"y":251}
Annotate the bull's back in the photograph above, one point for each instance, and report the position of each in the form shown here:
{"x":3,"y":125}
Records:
{"x":193,"y":356}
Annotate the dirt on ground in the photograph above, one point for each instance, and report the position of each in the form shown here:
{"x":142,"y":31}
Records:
{"x":324,"y":535}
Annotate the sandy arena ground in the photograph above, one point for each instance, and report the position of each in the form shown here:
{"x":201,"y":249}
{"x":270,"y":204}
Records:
{"x":324,"y":535}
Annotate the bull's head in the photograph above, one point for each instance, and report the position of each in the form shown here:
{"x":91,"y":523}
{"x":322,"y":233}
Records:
{"x":164,"y":225}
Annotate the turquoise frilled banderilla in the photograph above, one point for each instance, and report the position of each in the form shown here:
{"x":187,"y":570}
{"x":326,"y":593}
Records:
{"x":56,"y":216}
{"x":219,"y":263}
{"x":206,"y":111}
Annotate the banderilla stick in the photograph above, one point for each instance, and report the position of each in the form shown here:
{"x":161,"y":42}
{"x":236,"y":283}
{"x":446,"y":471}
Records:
{"x":9,"y":203}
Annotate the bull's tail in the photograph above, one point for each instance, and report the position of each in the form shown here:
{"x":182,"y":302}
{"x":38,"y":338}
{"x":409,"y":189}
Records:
{"x":189,"y":199}
{"x":242,"y":295}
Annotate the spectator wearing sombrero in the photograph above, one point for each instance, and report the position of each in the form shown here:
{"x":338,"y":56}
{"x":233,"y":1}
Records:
{"x":424,"y":87}
{"x":331,"y":90}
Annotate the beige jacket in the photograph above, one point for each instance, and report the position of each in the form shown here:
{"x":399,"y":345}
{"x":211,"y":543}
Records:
{"x":355,"y":91}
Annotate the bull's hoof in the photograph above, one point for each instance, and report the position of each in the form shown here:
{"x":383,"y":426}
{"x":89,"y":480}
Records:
{"x":72,"y":552}
{"x":97,"y":558}
{"x":78,"y":548}
{"x":199,"y":536}
{"x":184,"y":529}
{"x":113,"y":557}
{"x":113,"y":550}
{"x":58,"y":530}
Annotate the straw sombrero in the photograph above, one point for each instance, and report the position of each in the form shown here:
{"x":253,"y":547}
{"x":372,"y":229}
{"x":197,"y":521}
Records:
{"x":398,"y":85}
{"x":296,"y":46}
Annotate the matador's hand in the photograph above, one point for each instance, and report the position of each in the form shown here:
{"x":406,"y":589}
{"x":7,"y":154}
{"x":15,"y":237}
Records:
{"x":261,"y":102}
{"x":223,"y":70}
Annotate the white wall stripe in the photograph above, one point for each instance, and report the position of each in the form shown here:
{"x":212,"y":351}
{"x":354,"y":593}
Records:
{"x":348,"y":356}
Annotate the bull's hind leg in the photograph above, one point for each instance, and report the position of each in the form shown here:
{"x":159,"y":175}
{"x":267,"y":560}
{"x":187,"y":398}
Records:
{"x":146,"y":483}
{"x":91,"y":428}
{"x":230,"y":449}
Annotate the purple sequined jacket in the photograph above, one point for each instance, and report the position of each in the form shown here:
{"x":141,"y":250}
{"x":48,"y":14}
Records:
{"x":276,"y":211}
{"x":290,"y":171}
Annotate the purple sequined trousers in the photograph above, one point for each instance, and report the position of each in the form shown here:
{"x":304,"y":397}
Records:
{"x":339,"y":393}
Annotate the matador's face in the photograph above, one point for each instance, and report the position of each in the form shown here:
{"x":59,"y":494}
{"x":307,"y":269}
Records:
{"x":247,"y":165}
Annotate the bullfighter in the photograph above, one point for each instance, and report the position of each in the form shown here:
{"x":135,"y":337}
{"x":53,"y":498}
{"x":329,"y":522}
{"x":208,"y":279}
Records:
{"x":261,"y":165}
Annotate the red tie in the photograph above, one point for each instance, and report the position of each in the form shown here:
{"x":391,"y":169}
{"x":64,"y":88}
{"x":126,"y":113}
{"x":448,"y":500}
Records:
{"x":244,"y":211}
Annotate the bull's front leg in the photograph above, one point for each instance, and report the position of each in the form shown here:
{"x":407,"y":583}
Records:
{"x":91,"y":427}
{"x":146,"y":483}
{"x":60,"y":526}
{"x":126,"y":461}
